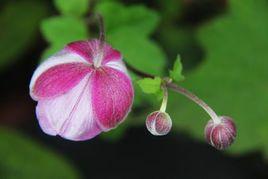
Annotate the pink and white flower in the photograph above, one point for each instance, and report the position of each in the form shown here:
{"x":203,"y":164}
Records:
{"x":82,"y":90}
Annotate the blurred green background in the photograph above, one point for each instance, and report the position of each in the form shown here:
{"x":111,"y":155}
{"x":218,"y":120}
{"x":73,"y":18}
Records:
{"x":224,"y":50}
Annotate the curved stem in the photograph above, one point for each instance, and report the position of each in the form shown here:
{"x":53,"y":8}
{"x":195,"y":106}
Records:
{"x":165,"y":99}
{"x":197,"y":100}
{"x":101,"y":28}
{"x":182,"y":91}
{"x":138,"y":72}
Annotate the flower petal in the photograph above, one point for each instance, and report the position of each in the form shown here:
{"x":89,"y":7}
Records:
{"x":58,"y":80}
{"x":118,"y":65}
{"x":112,"y":96}
{"x":69,"y":115}
{"x":62,"y":57}
{"x":57,"y":75}
{"x":90,"y":50}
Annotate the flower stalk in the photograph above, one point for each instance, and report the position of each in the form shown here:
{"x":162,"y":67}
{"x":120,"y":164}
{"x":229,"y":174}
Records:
{"x":197,"y":100}
{"x":178,"y":89}
{"x":99,"y":56}
{"x":165,"y":99}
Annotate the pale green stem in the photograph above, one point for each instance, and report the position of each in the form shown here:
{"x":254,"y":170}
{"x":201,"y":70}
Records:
{"x":165,"y":99}
{"x":197,"y":100}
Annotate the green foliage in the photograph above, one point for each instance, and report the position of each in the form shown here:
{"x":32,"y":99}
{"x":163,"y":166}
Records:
{"x":19,"y":21}
{"x":141,"y":53}
{"x":23,"y":158}
{"x":52,"y":49}
{"x":61,"y":30}
{"x":128,"y":29}
{"x":149,"y":85}
{"x":138,"y":18}
{"x":67,"y":27}
{"x":182,"y":40}
{"x":176,"y":73}
{"x":233,"y":78}
{"x":170,"y":9}
{"x":72,"y":7}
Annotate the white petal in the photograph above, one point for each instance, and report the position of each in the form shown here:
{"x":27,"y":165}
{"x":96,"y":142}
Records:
{"x":69,"y":115}
{"x":118,"y":65}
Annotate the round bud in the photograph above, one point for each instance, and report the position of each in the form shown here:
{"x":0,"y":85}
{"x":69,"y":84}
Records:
{"x":220,"y":135}
{"x":158,"y":123}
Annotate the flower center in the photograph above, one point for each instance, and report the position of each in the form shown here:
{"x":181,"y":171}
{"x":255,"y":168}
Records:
{"x":98,"y":59}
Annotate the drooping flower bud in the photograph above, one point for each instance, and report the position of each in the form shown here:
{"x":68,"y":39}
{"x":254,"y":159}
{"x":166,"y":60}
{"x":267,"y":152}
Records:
{"x":82,"y":90}
{"x":220,"y":135}
{"x":158,"y":123}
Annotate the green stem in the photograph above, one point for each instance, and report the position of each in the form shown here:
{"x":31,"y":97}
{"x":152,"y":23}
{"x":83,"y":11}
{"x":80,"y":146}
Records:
{"x":180,"y":90}
{"x":165,"y":99}
{"x":197,"y":100}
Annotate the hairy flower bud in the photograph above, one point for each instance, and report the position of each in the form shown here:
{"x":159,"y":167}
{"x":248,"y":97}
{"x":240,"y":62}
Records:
{"x":82,"y":90}
{"x":220,"y":135}
{"x":158,"y":123}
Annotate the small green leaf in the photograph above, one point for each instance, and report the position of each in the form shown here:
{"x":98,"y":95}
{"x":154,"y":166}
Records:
{"x":176,"y":73}
{"x":72,"y":7}
{"x":150,"y":86}
{"x":61,"y":29}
